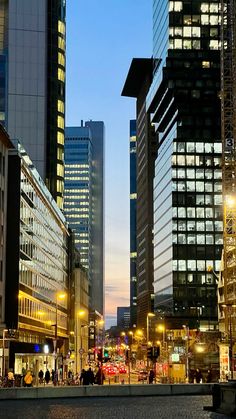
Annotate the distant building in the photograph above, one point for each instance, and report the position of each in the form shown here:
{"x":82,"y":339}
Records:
{"x":133,"y":225}
{"x":32,"y":83}
{"x":36,"y":269}
{"x":123,"y":317}
{"x":84,"y":201}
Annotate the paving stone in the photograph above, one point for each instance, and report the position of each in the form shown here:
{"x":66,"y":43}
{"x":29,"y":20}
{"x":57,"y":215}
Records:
{"x":155,"y":407}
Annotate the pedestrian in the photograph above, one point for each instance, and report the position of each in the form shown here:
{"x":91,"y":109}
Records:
{"x":209,"y":376}
{"x":151,"y":376}
{"x":81,"y":378}
{"x":28,"y":379}
{"x":90,"y":376}
{"x":47,"y":376}
{"x":40,"y":376}
{"x":53,"y":375}
{"x":198,"y":375}
{"x":99,"y":377}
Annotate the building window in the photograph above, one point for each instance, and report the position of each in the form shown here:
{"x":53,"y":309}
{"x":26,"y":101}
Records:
{"x":61,"y":75}
{"x":60,"y":138}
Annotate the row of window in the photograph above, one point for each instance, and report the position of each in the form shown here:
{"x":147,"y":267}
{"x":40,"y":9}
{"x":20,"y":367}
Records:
{"x":42,"y":312}
{"x":177,"y":6}
{"x":185,"y":278}
{"x":191,"y":212}
{"x":195,"y":160}
{"x":196,"y":199}
{"x":191,"y":32}
{"x":192,"y":225}
{"x":197,"y":173}
{"x":198,"y":186}
{"x":188,"y":238}
{"x":193,"y":44}
{"x":195,"y":265}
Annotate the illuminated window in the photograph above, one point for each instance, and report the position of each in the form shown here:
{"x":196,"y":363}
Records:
{"x":196,"y":44}
{"x":60,"y":170}
{"x":60,"y":154}
{"x":60,"y":201}
{"x":175,"y":6}
{"x":196,"y":31}
{"x":60,"y":138}
{"x":187,"y":44}
{"x":60,"y":186}
{"x":61,"y":27}
{"x":205,"y":64}
{"x":61,"y":59}
{"x":214,"y":44}
{"x":214,"y":8}
{"x":60,"y":122}
{"x":133,"y":139}
{"x":205,"y":7}
{"x":60,"y":106}
{"x":61,"y":43}
{"x":133,"y":255}
{"x":61,"y":75}
{"x":133,"y":196}
{"x":214,"y":20}
{"x":205,"y":19}
{"x":187,"y":31}
{"x":178,"y":44}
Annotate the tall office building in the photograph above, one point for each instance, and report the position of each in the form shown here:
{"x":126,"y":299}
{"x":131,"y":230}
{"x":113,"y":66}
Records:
{"x":32,"y":83}
{"x":84,"y":206}
{"x":133,"y":225}
{"x":184,"y":105}
{"x":137,"y":85}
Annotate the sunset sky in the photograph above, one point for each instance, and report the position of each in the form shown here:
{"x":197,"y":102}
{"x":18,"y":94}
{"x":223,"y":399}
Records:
{"x":102,"y":38}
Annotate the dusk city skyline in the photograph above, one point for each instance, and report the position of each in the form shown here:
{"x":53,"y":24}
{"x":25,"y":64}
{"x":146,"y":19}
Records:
{"x":117,"y":209}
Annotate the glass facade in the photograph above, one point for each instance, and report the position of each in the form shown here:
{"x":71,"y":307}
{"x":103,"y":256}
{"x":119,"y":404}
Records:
{"x":188,"y":179}
{"x":84,"y":201}
{"x":43,"y":268}
{"x":32,"y":83}
{"x":78,"y":189}
{"x":133,"y":226}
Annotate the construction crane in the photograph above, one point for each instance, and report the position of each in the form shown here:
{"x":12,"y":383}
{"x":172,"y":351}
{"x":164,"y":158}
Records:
{"x":228,"y":126}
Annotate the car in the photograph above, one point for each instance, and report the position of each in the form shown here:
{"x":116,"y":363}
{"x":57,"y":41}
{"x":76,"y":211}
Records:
{"x":142,"y":375}
{"x":122,"y":370}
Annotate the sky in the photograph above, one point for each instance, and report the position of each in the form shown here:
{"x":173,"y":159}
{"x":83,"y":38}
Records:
{"x":102,"y":38}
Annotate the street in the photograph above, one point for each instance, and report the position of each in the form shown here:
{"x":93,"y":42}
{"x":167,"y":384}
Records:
{"x":190,"y":407}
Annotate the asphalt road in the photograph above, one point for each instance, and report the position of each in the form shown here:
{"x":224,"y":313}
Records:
{"x":177,"y":407}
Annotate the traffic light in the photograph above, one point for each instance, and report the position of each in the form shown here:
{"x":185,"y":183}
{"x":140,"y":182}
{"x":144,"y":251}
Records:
{"x":106,"y":355}
{"x":149,"y":352}
{"x":153,"y":352}
{"x":156,"y":352}
{"x":99,"y":354}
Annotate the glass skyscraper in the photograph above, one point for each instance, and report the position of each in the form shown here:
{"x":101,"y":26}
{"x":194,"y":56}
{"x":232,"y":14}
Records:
{"x":32,"y":83}
{"x":184,"y":105}
{"x":84,"y":196}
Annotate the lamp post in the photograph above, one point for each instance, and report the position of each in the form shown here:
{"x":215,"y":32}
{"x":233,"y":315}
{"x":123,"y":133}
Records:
{"x":149,"y":315}
{"x":59,"y":296}
{"x":79,"y":314}
{"x":186,"y":352}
